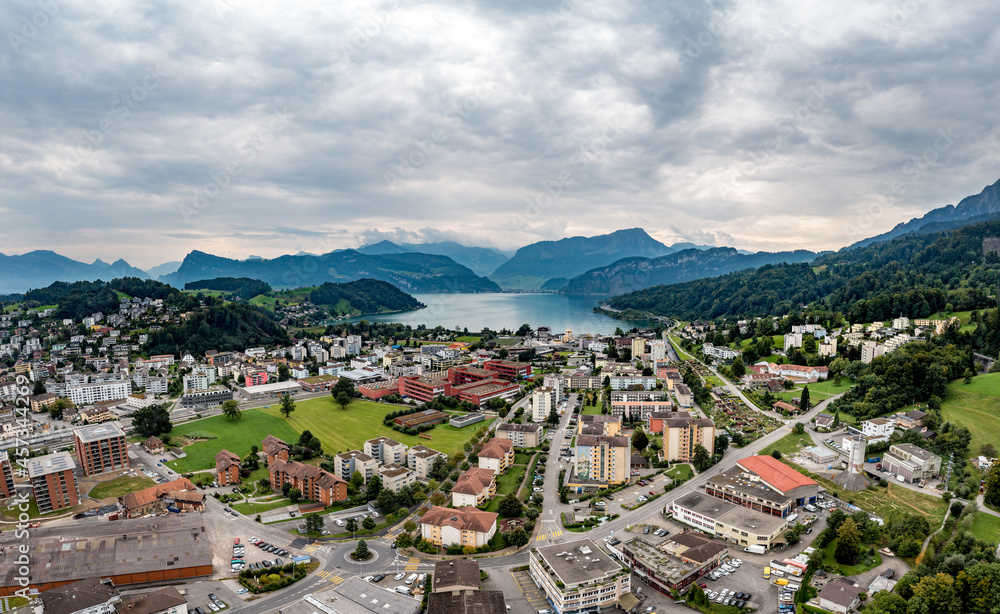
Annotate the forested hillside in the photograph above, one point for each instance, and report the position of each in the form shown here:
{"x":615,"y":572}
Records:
{"x":913,"y":276}
{"x":242,"y":287}
{"x":82,"y":298}
{"x":363,"y":295}
{"x":231,"y":326}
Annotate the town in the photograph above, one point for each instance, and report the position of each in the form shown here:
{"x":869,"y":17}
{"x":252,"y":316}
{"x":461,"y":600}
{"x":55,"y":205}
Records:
{"x":410,"y":459}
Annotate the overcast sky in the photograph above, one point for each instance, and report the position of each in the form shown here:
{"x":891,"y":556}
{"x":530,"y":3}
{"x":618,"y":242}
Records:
{"x":142,"y":130}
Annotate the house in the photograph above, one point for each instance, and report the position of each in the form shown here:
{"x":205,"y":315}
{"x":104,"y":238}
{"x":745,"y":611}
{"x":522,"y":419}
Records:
{"x":227,"y":467}
{"x":466,"y":526}
{"x":824,"y":421}
{"x":154,"y":445}
{"x":782,"y":406}
{"x":179,"y":494}
{"x":839,"y":597}
{"x":474,"y":487}
{"x":497,"y":455}
{"x":910,"y":419}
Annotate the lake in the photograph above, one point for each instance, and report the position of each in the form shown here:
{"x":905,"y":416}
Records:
{"x":500,"y":310}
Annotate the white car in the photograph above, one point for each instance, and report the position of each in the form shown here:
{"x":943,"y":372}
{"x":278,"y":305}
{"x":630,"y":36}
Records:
{"x":713,"y":595}
{"x":213,"y":607}
{"x":339,"y":522}
{"x":375,"y":514}
{"x":538,"y":489}
{"x":242,"y":590}
{"x":399,"y":576}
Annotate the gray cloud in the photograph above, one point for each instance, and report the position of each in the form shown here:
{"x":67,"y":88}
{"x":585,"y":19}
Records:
{"x":149,"y":129}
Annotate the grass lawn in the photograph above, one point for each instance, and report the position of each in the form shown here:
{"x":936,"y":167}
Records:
{"x":975,"y":406}
{"x":341,"y":430}
{"x":789,"y":444}
{"x":829,"y":562}
{"x":468,"y":339}
{"x":677,"y":348}
{"x":679,"y":472}
{"x":12,"y":513}
{"x":120,"y":486}
{"x":591,"y":410}
{"x":251,"y":509}
{"x":237,"y":437}
{"x":507,"y":483}
{"x":986,"y":528}
{"x":884,"y":501}
{"x":820,"y":391}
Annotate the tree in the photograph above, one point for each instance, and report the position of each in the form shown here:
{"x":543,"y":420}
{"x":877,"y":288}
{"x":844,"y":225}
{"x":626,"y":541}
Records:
{"x":721,"y":443}
{"x":848,"y":543}
{"x":836,"y":419}
{"x":357,"y":480}
{"x":361,"y":553}
{"x":343,"y":399}
{"x":410,"y":526}
{"x":39,"y":387}
{"x":368,"y":523}
{"x":231,"y":409}
{"x":374,"y":488}
{"x":992,"y":495}
{"x":403,"y":540}
{"x":553,"y":417}
{"x":738,"y":369}
{"x":388,"y":502}
{"x":776,"y":454}
{"x":938,"y":593}
{"x":439,"y":468}
{"x":799,"y":428}
{"x":314,"y":523}
{"x":287,"y":405}
{"x":639,"y":440}
{"x":284,"y":373}
{"x":510,"y":506}
{"x":702,"y":459}
{"x":988,"y":450}
{"x":518,"y":537}
{"x":351,"y":525}
{"x":804,"y":404}
{"x":294,"y":495}
{"x":152,"y":421}
{"x":968,"y":376}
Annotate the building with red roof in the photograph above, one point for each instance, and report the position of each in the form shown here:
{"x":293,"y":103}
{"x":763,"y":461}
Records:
{"x":764,"y":484}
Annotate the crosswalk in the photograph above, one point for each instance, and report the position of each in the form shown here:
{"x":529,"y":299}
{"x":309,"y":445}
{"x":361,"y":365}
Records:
{"x":551,"y":535}
{"x":310,"y":549}
{"x":330,"y":577}
{"x":412,"y":564}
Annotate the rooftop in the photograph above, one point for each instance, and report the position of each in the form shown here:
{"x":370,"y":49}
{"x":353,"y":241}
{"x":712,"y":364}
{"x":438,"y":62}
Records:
{"x":915,"y":451}
{"x":99,"y":432}
{"x":467,"y":517}
{"x":467,"y":602}
{"x":578,"y":562}
{"x":53,"y":463}
{"x":456,"y":573}
{"x":777,"y":474}
{"x":355,"y":596}
{"x":77,"y":596}
{"x":668,"y":567}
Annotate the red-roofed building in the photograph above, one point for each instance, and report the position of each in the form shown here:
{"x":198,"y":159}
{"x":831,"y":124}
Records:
{"x":777,"y":474}
{"x":507,"y":370}
{"x":467,"y":526}
{"x":764,"y":484}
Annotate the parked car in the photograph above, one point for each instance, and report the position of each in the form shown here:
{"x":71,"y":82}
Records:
{"x":242,"y":590}
{"x":399,"y":576}
{"x":213,"y":607}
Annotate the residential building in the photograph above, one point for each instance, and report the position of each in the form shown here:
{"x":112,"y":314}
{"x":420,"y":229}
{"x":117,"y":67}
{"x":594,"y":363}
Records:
{"x":796,"y":373}
{"x":542,"y":403}
{"x":255,"y":378}
{"x":394,"y":477}
{"x":839,"y":597}
{"x":764,"y":484}
{"x":910,"y":419}
{"x":627,"y":382}
{"x":154,"y":445}
{"x":139,"y":401}
{"x":608,"y":425}
{"x":792,"y":341}
{"x":275,"y":449}
{"x":682,"y":434}
{"x":88,"y":394}
{"x":638,"y":348}
{"x":828,"y":347}
{"x":386,"y":451}
{"x":578,"y":576}
{"x":521,"y":435}
{"x":877,"y":430}
{"x":166,"y":600}
{"x":601,"y":461}
{"x":317,"y":383}
{"x":53,"y":482}
{"x":674,"y":564}
{"x":101,"y":448}
{"x":195,"y":382}
{"x":633,"y":405}
{"x":177,"y":495}
{"x":213,"y":396}
{"x":346,"y":463}
{"x":314,"y":483}
{"x":497,"y":455}
{"x":720,"y":352}
{"x":683,"y":394}
{"x":870,"y":350}
{"x":474,"y":487}
{"x":41,"y":402}
{"x":456,"y":575}
{"x":466,"y":526}
{"x":88,"y":596}
{"x":227,"y":467}
{"x":467,"y":602}
{"x":729,"y":521}
{"x":911,"y":462}
{"x":420,"y":460}
{"x":6,"y":476}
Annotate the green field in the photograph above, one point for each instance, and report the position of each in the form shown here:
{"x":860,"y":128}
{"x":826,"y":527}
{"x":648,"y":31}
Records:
{"x":120,"y":486}
{"x":468,"y":339}
{"x":591,"y":410}
{"x":676,"y":342}
{"x":341,"y":430}
{"x":237,"y":437}
{"x":507,"y":483}
{"x":820,"y":391}
{"x":986,"y":527}
{"x":975,"y":406}
{"x":790,"y":444}
{"x":680,"y":472}
{"x":251,"y":509}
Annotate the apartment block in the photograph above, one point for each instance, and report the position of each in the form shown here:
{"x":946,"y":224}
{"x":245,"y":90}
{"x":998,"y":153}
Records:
{"x":53,"y":482}
{"x":101,"y":448}
{"x":474,"y":487}
{"x":227,"y":467}
{"x":542,"y":401}
{"x":601,"y":461}
{"x":386,"y":451}
{"x":682,"y":433}
{"x":88,"y":394}
{"x":521,"y":435}
{"x":346,"y":463}
{"x":497,"y":455}
{"x":420,"y":460}
{"x":466,"y":526}
{"x":394,"y":477}
{"x":6,"y":476}
{"x":639,"y":404}
{"x":578,"y":576}
{"x":314,"y":483}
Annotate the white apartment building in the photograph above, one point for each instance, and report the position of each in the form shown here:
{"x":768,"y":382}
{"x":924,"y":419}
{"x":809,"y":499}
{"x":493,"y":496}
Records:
{"x":88,"y":394}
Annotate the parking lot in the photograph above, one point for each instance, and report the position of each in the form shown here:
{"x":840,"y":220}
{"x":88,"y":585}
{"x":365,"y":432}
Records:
{"x":534,"y":595}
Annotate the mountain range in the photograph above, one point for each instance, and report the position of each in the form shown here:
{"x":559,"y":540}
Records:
{"x":481,"y":260}
{"x":40,"y":268}
{"x":413,"y":272}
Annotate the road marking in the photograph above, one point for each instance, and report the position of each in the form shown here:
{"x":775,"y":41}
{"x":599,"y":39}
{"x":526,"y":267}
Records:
{"x":413,"y":563}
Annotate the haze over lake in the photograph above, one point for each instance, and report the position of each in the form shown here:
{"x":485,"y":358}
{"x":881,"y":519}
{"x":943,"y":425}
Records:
{"x":496,"y":311}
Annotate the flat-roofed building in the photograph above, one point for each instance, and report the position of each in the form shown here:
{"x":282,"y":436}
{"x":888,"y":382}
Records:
{"x":101,"y":448}
{"x":386,"y":450}
{"x":610,"y":426}
{"x":601,"y":461}
{"x":729,"y":521}
{"x":521,"y":435}
{"x":674,"y":564}
{"x":53,"y":482}
{"x":213,"y":396}
{"x":6,"y":476}
{"x":120,"y":551}
{"x":394,"y":477}
{"x":911,"y":462}
{"x":682,"y":435}
{"x":420,"y":460}
{"x":317,"y":383}
{"x":633,"y":405}
{"x":423,"y":388}
{"x":543,"y":401}
{"x":346,"y":463}
{"x":821,"y":454}
{"x":507,"y":370}
{"x":578,"y":576}
{"x":273,"y":390}
{"x":466,"y":526}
